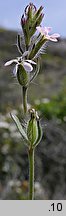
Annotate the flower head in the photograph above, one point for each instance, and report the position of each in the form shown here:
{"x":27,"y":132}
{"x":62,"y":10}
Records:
{"x":21,"y":69}
{"x":26,"y":63}
{"x":44,"y":31}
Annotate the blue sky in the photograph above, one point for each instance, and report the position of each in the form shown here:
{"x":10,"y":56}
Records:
{"x":54,"y":10}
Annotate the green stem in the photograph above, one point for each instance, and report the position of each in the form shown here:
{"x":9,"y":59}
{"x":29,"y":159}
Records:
{"x":25,"y":99}
{"x":31,"y":174}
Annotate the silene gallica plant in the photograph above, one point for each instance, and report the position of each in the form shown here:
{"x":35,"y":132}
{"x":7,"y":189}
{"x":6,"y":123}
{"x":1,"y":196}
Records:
{"x":31,"y":44}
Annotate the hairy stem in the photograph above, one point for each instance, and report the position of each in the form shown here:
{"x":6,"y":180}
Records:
{"x":25,"y":99}
{"x":31,"y":174}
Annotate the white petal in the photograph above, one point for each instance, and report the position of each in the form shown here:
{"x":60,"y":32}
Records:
{"x":53,"y":39}
{"x":30,"y":61}
{"x":11,"y":62}
{"x":44,"y":31}
{"x":27,"y":66}
{"x":15,"y":70}
{"x":47,"y":29}
{"x":55,"y":35}
{"x":40,"y":29}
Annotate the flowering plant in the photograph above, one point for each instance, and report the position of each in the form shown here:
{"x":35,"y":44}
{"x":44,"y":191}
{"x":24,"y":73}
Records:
{"x":30,"y":46}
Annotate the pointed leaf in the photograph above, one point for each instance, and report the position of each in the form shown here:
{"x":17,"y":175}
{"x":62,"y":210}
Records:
{"x":19,"y":126}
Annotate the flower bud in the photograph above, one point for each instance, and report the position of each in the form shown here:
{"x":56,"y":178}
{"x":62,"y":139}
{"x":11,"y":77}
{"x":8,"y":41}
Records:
{"x":36,"y":23}
{"x":38,"y":13}
{"x":22,"y":76}
{"x":30,"y":9}
{"x":32,"y":129}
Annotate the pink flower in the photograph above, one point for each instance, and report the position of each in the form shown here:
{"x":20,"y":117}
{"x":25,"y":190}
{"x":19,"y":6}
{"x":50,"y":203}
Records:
{"x":44,"y":31}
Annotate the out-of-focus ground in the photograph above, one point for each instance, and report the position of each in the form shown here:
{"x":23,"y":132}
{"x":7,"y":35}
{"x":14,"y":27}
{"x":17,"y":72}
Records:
{"x":48,"y":95}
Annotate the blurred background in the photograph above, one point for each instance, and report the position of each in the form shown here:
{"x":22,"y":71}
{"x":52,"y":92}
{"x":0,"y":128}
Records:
{"x":47,"y":94}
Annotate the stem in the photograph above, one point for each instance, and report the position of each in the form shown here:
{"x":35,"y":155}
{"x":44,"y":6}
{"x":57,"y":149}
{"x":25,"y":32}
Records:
{"x":31,"y":174}
{"x":25,"y":99}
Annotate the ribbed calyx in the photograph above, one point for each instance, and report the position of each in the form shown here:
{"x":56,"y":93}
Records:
{"x":22,"y":76}
{"x":33,"y":128}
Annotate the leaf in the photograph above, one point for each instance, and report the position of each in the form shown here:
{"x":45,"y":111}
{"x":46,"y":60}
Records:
{"x":19,"y":126}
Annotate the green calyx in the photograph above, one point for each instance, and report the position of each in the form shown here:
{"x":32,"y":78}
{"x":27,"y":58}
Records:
{"x":36,"y":23}
{"x":32,"y":129}
{"x":19,"y":44}
{"x":37,"y":47}
{"x":39,"y":133}
{"x":22,"y":76}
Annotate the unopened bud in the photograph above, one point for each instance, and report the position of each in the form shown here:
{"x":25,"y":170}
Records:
{"x":32,"y":129}
{"x":31,"y":7}
{"x":23,"y":20}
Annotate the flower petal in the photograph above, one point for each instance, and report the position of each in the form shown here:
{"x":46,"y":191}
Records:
{"x":30,"y":61}
{"x":11,"y":62}
{"x":40,"y":29}
{"x":47,"y":30}
{"x":53,"y":39}
{"x":55,"y":35}
{"x":27,"y":66}
{"x":15,"y":70}
{"x":44,"y":31}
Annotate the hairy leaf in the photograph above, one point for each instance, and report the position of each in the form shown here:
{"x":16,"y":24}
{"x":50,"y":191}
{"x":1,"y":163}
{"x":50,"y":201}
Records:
{"x":19,"y":126}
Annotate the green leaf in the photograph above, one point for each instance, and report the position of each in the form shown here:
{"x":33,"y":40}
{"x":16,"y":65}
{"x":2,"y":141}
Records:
{"x":19,"y":126}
